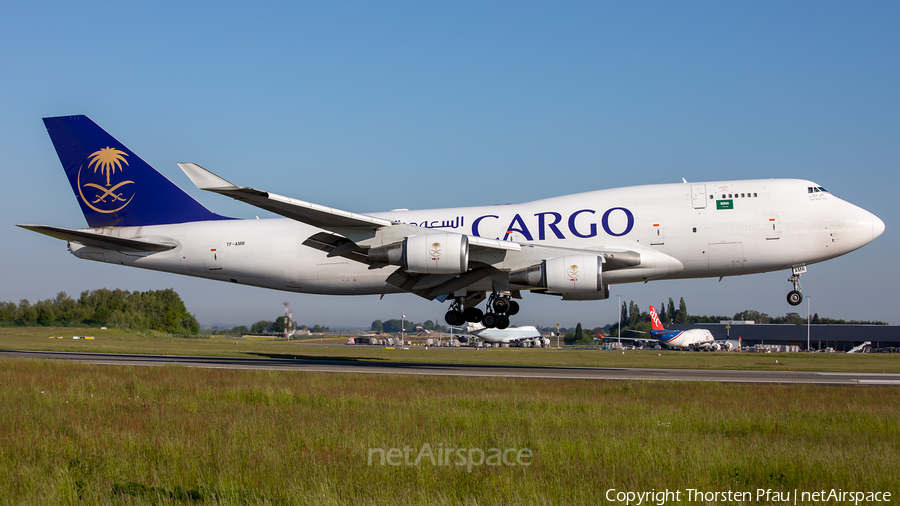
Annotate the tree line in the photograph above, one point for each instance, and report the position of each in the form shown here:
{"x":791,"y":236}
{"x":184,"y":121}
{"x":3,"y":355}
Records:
{"x":161,"y":310}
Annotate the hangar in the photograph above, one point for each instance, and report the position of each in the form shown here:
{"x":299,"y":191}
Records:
{"x":839,"y":337}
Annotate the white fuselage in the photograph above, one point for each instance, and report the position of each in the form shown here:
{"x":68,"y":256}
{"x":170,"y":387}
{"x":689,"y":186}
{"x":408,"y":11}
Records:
{"x":684,"y":230}
{"x":507,"y":335}
{"x":684,"y":338}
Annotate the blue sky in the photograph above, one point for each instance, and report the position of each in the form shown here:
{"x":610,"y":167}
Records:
{"x":371,"y":106}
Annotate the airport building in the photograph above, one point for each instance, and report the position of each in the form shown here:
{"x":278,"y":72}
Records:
{"x":838,"y":337}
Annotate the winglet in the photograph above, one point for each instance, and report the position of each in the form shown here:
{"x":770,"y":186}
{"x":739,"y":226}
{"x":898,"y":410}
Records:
{"x":204,"y":179}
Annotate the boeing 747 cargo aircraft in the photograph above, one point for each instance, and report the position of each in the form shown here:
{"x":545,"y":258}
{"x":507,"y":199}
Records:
{"x":572,"y":246}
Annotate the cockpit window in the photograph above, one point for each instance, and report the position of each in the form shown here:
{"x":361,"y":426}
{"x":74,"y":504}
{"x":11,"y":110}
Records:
{"x":816,"y":189}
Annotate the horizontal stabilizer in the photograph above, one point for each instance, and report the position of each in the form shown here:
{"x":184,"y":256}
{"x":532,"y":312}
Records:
{"x":104,"y":241}
{"x":302,"y":211}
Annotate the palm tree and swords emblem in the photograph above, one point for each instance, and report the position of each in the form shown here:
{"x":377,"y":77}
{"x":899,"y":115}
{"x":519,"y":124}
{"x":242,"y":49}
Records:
{"x":435,"y":250}
{"x":107,"y":160}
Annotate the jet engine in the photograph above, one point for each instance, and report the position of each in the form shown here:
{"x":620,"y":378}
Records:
{"x":568,"y":274}
{"x":426,"y":254}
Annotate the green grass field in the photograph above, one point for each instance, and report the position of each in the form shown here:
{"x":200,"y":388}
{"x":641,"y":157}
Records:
{"x":113,"y":341}
{"x":90,"y":434}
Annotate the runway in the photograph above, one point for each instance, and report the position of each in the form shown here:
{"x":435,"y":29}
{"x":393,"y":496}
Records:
{"x":493,"y":371}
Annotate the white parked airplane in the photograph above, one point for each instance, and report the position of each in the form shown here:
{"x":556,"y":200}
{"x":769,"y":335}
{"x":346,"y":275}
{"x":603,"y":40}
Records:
{"x":573,"y":246}
{"x":511,"y":335}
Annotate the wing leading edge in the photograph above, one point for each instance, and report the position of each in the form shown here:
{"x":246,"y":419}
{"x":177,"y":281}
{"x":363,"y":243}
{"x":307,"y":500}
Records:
{"x":312,"y":214}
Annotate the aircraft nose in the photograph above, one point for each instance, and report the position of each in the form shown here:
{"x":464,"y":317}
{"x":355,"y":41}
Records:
{"x":877,"y":227}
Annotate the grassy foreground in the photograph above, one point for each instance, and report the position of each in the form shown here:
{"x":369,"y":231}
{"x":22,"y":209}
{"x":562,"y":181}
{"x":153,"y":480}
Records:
{"x":116,"y":341}
{"x":77,"y":433}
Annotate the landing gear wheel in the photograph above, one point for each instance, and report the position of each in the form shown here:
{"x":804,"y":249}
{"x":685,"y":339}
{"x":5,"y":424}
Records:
{"x":473,"y":314}
{"x":794,"y":298}
{"x":502,"y":322}
{"x":489,"y":320}
{"x":454,"y":318}
{"x":513,"y":308}
{"x":501,"y":305}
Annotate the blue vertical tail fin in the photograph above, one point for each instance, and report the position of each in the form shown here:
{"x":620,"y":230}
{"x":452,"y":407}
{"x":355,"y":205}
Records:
{"x":114,"y":186}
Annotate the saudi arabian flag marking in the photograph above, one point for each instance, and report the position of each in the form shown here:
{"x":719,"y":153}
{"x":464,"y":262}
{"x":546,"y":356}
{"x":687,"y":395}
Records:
{"x":725,"y":204}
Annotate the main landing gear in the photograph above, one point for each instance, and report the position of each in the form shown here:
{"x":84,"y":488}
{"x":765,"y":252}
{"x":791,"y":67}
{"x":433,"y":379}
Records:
{"x":794,"y":297}
{"x":457,"y":315}
{"x":499,"y":309}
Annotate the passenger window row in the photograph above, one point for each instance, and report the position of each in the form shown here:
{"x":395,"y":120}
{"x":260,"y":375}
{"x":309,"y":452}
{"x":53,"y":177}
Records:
{"x":735,"y":195}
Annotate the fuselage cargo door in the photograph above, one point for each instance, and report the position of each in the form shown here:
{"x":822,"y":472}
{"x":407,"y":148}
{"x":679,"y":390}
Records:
{"x":726,"y":257}
{"x":335,"y":277}
{"x":773,"y":227}
{"x":698,"y":196}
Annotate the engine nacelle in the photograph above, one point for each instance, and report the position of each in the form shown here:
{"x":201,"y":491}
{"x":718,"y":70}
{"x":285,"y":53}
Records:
{"x":568,"y":274}
{"x":426,"y":254}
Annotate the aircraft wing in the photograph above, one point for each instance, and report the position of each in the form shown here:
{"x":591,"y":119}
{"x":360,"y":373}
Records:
{"x":98,"y":240}
{"x":642,"y":339}
{"x":635,"y":338}
{"x":350,"y":235}
{"x":324,"y":217}
{"x":300,"y":210}
{"x":328,"y":218}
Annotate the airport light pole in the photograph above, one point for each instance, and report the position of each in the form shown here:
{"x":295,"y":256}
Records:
{"x":620,"y":318}
{"x":807,"y":321}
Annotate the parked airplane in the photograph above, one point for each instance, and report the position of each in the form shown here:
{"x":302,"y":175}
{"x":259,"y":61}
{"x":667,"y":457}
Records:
{"x":511,"y":335}
{"x":573,"y":246}
{"x":691,"y":338}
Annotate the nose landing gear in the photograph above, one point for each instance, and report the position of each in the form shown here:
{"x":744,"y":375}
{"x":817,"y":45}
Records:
{"x":794,"y":297}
